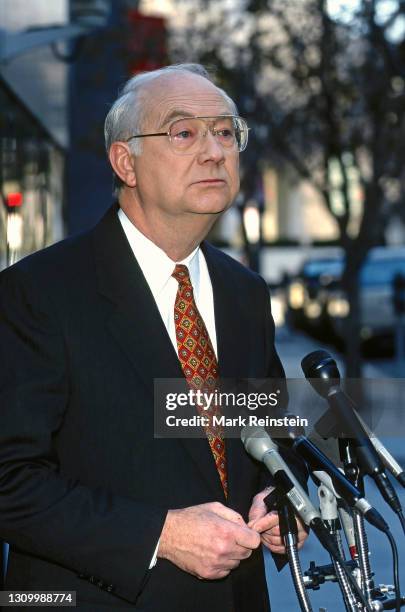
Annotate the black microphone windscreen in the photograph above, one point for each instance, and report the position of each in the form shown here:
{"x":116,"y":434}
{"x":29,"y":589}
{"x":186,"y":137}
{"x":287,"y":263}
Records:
{"x":311,"y":362}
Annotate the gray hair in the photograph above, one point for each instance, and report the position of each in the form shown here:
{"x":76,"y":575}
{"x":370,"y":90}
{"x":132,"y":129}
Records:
{"x":127,"y":114}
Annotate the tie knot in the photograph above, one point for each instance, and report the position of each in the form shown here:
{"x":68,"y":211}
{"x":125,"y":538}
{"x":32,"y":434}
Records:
{"x":181,"y":274}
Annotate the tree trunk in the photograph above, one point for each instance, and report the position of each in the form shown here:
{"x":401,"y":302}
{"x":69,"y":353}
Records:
{"x":353,"y":357}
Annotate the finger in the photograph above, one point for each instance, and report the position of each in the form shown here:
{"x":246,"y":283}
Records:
{"x":246,"y":537}
{"x":302,"y":527}
{"x":213,"y":574}
{"x":301,"y":541}
{"x":269,"y":521}
{"x":273,"y":515}
{"x":237,"y":556}
{"x":272,"y":541}
{"x":236,"y":552}
{"x":302,"y":535}
{"x":220,"y":568}
{"x":257,"y":511}
{"x":276,"y":546}
{"x":246,"y":553}
{"x":243,"y":553}
{"x":278,"y":550}
{"x":258,"y":507}
{"x":221,"y":574}
{"x":229,"y":565}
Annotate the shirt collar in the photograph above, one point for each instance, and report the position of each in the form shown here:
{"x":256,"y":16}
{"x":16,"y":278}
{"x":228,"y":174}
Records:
{"x":156,"y":266}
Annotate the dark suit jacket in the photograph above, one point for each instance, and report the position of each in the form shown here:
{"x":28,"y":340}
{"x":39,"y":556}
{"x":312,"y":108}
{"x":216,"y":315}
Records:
{"x":84,"y":486}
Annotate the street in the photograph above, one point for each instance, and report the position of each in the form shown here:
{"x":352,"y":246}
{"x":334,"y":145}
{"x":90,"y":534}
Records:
{"x":292,"y":347}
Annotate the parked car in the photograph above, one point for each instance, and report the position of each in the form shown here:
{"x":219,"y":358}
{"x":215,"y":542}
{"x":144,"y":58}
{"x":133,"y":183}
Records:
{"x":378,"y":317}
{"x":307,"y":292}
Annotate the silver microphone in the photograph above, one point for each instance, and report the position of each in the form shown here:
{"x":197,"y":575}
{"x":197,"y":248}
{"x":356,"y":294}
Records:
{"x":261,"y":447}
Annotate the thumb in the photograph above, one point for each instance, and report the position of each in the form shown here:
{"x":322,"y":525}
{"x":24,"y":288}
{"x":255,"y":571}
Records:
{"x":258,"y":508}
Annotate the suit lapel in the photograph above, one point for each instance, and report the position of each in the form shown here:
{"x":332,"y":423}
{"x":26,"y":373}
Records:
{"x":135,"y":321}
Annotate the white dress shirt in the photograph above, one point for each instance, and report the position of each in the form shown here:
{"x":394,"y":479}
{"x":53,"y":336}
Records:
{"x":157,"y":269}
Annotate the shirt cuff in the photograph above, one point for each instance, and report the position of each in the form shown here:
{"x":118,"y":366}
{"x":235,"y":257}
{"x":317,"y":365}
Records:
{"x":154,"y":558}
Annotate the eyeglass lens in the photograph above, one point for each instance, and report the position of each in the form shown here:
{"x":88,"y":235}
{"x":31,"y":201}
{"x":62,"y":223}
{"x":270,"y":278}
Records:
{"x":186,"y":134}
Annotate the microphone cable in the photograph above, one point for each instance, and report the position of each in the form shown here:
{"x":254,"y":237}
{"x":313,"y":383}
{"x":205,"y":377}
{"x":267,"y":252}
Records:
{"x":402,"y":519}
{"x":396,"y":570}
{"x":356,"y":587}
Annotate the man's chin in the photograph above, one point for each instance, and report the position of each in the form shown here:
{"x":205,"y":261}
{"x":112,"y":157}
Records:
{"x":211,"y":206}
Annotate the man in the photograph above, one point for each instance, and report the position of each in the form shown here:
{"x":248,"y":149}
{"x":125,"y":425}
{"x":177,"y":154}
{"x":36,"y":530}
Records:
{"x":91,"y":502}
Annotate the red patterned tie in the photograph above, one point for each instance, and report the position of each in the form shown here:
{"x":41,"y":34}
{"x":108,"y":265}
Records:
{"x":197,"y":358}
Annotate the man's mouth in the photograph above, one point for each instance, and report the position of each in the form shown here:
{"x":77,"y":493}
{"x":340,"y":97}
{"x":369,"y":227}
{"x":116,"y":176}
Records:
{"x":210,"y":181}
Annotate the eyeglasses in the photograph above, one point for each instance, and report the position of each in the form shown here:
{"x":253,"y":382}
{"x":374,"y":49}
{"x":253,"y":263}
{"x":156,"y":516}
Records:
{"x":186,"y":134}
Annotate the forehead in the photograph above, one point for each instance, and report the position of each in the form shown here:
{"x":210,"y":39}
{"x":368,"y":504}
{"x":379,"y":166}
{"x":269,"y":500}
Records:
{"x":173,"y":95}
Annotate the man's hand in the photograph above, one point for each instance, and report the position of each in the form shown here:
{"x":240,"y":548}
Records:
{"x":207,"y":541}
{"x":267,"y":524}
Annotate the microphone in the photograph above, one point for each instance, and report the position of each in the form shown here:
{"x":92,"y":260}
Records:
{"x":260,"y":446}
{"x":344,"y":514}
{"x":317,"y":461}
{"x":323,"y":374}
{"x":388,"y":460}
{"x":348,"y":527}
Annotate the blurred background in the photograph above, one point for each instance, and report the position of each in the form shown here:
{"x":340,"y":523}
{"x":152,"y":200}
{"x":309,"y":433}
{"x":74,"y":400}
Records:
{"x":321,"y":211}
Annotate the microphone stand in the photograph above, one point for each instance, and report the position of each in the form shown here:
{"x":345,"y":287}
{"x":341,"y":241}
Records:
{"x":381,"y":597}
{"x":289,"y":532}
{"x":329,"y":513}
{"x":352,"y":471}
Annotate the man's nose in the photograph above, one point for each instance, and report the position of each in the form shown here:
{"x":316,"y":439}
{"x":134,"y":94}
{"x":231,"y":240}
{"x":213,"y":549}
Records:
{"x":211,"y":149}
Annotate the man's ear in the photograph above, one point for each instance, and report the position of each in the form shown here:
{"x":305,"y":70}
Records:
{"x":121,"y":159}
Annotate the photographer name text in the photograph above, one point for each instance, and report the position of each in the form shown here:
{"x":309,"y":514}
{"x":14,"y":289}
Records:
{"x":238,"y":421}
